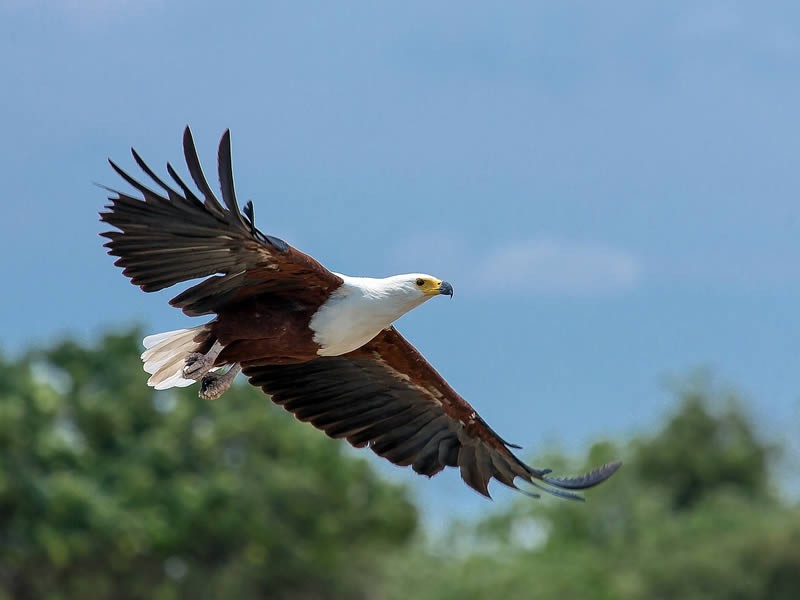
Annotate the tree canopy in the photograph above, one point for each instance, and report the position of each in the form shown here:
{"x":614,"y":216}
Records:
{"x":109,"y":489}
{"x":693,"y":514}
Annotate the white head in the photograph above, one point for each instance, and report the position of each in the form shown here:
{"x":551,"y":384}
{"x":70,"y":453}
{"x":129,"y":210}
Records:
{"x":411,"y":289}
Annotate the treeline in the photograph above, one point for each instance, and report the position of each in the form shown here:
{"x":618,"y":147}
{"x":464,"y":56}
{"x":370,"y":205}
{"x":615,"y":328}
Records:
{"x":109,"y":490}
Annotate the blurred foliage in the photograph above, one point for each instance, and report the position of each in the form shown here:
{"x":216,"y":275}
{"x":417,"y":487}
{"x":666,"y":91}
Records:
{"x":699,"y":452}
{"x":693,"y":514}
{"x":111,"y":490}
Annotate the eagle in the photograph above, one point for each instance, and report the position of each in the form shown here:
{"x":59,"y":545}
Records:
{"x":320,"y":344}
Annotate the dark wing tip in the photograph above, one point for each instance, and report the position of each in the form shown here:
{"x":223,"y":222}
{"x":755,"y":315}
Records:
{"x":114,"y":165}
{"x":249,"y":212}
{"x":107,"y":189}
{"x":188,"y":142}
{"x":585,"y":481}
{"x":225,"y":172}
{"x":225,"y":151}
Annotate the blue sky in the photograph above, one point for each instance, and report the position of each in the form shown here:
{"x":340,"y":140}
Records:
{"x":613,"y":191}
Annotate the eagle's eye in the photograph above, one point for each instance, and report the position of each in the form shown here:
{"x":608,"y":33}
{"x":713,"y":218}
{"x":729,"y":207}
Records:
{"x":420,"y":282}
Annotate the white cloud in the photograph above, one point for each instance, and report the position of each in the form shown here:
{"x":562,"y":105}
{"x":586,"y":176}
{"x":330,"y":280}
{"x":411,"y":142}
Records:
{"x":555,"y":266}
{"x":543,"y":264}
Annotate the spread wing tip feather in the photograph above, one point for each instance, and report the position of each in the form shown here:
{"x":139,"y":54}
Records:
{"x":557,"y":492}
{"x":585,"y":481}
{"x":562,"y":487}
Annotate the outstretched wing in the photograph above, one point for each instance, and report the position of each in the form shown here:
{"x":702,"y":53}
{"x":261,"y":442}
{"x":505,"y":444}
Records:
{"x":172,"y":236}
{"x":385,"y":395}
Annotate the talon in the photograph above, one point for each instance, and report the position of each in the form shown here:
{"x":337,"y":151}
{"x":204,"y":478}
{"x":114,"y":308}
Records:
{"x":193,"y":358}
{"x":198,"y":365}
{"x":194,"y":368}
{"x":213,"y":385}
{"x":210,"y":388}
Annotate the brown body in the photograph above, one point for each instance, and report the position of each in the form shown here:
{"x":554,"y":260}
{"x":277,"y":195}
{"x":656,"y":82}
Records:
{"x":265,"y":330}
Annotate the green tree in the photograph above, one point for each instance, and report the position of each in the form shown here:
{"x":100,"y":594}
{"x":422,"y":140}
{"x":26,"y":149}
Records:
{"x":700,"y":451}
{"x":109,"y":489}
{"x":693,"y":514}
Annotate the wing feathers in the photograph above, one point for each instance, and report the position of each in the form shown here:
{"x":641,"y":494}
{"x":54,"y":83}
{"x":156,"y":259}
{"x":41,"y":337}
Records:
{"x":342,"y":422}
{"x":169,"y":236}
{"x":502,"y":471}
{"x":385,"y":435}
{"x":347,"y":428}
{"x":408,"y":439}
{"x":448,"y":451}
{"x":196,"y":171}
{"x":188,"y":194}
{"x":387,"y":397}
{"x":226,"y":178}
{"x":475,"y":467}
{"x":586,"y":481}
{"x":426,"y":442}
{"x":171,"y":193}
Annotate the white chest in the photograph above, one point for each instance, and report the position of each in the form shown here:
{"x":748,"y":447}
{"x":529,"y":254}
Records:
{"x":352,"y":316}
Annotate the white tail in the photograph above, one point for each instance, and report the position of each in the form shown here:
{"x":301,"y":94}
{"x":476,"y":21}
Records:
{"x":165,"y":357}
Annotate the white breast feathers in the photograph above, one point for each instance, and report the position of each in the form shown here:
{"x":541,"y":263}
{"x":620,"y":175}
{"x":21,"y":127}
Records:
{"x":360,"y":309}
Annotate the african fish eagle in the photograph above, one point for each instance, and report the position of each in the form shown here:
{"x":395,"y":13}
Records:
{"x":319,"y":343}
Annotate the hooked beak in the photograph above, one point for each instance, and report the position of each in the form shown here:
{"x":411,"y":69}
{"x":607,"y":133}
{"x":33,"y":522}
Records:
{"x":445,"y":289}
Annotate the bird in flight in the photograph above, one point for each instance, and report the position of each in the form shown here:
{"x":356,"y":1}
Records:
{"x":321,"y":344}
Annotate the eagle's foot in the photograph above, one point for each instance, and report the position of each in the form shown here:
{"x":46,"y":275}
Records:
{"x":213,"y":385}
{"x":198,"y":365}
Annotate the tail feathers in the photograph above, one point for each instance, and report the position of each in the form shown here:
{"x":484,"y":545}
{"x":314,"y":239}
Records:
{"x":165,"y":356}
